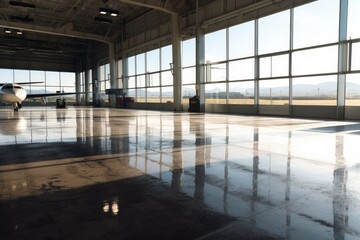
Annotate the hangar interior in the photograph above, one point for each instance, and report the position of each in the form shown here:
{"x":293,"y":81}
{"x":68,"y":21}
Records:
{"x":253,"y":161}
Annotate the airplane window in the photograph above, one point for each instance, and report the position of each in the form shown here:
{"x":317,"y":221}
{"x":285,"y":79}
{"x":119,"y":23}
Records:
{"x":18,"y":87}
{"x":8,"y":87}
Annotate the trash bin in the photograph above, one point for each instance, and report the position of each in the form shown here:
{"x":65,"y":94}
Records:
{"x":194,"y":104}
{"x":60,"y":103}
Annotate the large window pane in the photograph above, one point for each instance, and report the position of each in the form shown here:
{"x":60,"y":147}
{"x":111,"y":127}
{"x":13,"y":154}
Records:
{"x":188,"y":91}
{"x":241,"y":69}
{"x":153,"y":95}
{"x":274,"y":92}
{"x":140,"y":63}
{"x":131,"y":82}
{"x":215,"y":46}
{"x":167,"y":94}
{"x":67,"y":80}
{"x":215,"y":72}
{"x":7,"y":75}
{"x":153,"y":60}
{"x":166,"y":57}
{"x":353,"y":90}
{"x":140,"y":95}
{"x":271,"y":38}
{"x":353,"y":19}
{"x":21,"y":76}
{"x":215,"y":93}
{"x":153,"y":79}
{"x":315,"y":90}
{"x":355,"y":56}
{"x":131,"y":66}
{"x":188,"y":53}
{"x":274,"y":66}
{"x":140,"y":81}
{"x":241,"y":92}
{"x":241,"y":40}
{"x":189,"y":75}
{"x":52,"y":79}
{"x":314,"y":61}
{"x":316,"y":23}
{"x":166,"y":78}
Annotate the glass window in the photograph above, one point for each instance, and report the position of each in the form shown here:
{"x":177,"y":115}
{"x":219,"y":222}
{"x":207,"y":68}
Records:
{"x":153,"y":79}
{"x":153,"y":60}
{"x":119,"y":69}
{"x":215,"y":46}
{"x":67,"y":79}
{"x":274,"y":92}
{"x":215,"y":93}
{"x":21,"y":76}
{"x":215,"y":72}
{"x":52,"y":79}
{"x":353,"y":19}
{"x":107,"y":71}
{"x":102,"y":72}
{"x":188,"y":52}
{"x":189,"y":75}
{"x":131,"y":66}
{"x":314,"y":61}
{"x":274,"y":39}
{"x":7,"y":75}
{"x":166,"y":78}
{"x":241,"y":40}
{"x":315,"y":90}
{"x":140,"y":81}
{"x":188,"y":91}
{"x":241,"y":92}
{"x":166,"y":57}
{"x":274,"y":66}
{"x":131,"y":82}
{"x":167,"y":94}
{"x":316,"y":23}
{"x":242,"y":69}
{"x":140,"y":63}
{"x":352,"y":90}
{"x":140,"y":95}
{"x":153,"y":95}
{"x":355,"y":56}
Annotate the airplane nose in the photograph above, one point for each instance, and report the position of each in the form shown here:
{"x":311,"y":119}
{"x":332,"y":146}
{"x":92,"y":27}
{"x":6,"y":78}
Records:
{"x":20,"y":93}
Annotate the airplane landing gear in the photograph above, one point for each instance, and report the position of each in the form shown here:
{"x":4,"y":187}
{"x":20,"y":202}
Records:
{"x":16,"y":106}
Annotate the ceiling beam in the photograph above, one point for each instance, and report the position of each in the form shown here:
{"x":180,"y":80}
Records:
{"x":152,"y":5}
{"x":63,"y":31}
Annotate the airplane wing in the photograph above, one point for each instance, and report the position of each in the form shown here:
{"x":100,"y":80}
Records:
{"x":49,"y":94}
{"x":22,"y":83}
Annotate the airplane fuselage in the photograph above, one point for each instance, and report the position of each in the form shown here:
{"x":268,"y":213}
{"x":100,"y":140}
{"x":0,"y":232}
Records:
{"x":13,"y":94}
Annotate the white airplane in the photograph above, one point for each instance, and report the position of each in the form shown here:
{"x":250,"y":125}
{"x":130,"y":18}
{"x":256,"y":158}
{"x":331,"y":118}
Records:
{"x":14,"y":94}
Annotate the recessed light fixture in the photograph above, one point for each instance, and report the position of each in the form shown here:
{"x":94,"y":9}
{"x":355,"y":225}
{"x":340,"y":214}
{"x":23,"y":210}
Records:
{"x":7,"y":30}
{"x":105,"y":11}
{"x":19,"y":32}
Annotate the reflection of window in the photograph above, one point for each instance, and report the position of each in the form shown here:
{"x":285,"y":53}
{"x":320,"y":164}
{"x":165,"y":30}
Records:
{"x":241,"y":69}
{"x":274,"y":39}
{"x":315,"y":90}
{"x":313,"y":25}
{"x":241,"y":40}
{"x":355,"y":56}
{"x":215,"y":46}
{"x":215,"y":93}
{"x":274,"y":92}
{"x":313,"y":61}
{"x":352,"y":90}
{"x":241,"y":92}
{"x":274,"y":66}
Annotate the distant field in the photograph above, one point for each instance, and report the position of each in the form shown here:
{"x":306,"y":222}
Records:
{"x":314,"y":102}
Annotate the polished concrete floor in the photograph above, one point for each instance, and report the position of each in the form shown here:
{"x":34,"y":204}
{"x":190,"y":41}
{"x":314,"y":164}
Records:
{"x":97,"y":173}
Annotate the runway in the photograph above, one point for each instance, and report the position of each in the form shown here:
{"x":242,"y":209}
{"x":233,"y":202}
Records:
{"x":102,"y":173}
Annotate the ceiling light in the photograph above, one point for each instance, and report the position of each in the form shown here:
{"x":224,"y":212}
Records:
{"x":7,"y":30}
{"x":19,"y":32}
{"x":105,"y":11}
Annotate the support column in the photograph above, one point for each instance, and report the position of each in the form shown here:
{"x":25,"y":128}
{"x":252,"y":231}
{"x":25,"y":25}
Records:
{"x":113,"y":75}
{"x":342,"y":64}
{"x":176,"y":49}
{"x":200,"y":61}
{"x":257,"y":68}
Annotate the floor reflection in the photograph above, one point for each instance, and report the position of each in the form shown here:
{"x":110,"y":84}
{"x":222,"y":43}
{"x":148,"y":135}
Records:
{"x":257,"y":174}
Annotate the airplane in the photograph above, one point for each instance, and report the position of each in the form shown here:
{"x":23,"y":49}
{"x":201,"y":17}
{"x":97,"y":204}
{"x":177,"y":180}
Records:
{"x":14,"y":94}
